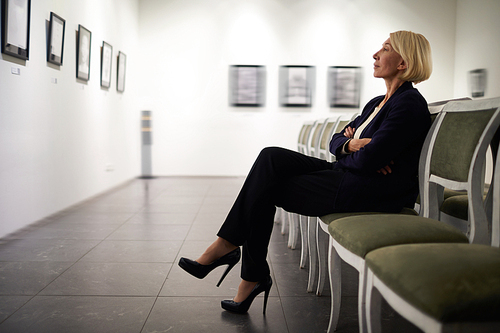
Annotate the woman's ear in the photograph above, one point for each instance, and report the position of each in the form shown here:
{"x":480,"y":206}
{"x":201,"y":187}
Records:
{"x":402,"y":65}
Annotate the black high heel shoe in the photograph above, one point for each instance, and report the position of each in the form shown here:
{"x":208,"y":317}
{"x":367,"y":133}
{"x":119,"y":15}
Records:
{"x":242,"y":307}
{"x":200,"y":271}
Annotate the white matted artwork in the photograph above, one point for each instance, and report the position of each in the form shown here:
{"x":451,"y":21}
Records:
{"x":16,"y":16}
{"x":344,"y":86}
{"x":247,"y":85}
{"x":297,"y":85}
{"x":121,"y":63}
{"x":106,"y":57}
{"x":84,"y":43}
{"x":477,"y":82}
{"x":55,"y":45}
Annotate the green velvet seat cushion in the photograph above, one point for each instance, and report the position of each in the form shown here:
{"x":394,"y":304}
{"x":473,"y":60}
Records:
{"x":457,"y":206}
{"x":447,"y":194}
{"x":327,"y":219}
{"x":449,"y":282}
{"x":364,"y":233}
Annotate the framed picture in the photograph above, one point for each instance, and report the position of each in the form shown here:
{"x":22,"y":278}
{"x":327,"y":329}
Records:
{"x":16,"y":16}
{"x":122,"y":63}
{"x":477,"y":82}
{"x":344,"y":86}
{"x":247,"y":85}
{"x":55,"y":44}
{"x":83,"y":44}
{"x":106,"y":57}
{"x":297,"y":84}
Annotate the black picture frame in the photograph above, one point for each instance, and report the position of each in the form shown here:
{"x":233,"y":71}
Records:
{"x":477,"y":82}
{"x":344,"y":86}
{"x":83,"y":48}
{"x":16,"y":17}
{"x":247,"y":85}
{"x":55,"y":43}
{"x":297,"y":85}
{"x":106,"y":61}
{"x":120,"y":71}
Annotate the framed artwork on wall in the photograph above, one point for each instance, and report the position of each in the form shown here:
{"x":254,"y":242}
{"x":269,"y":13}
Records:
{"x":247,"y":85}
{"x":120,"y":72}
{"x":16,"y":15}
{"x":83,"y":45}
{"x":344,"y":86}
{"x":297,"y":84}
{"x":55,"y":44}
{"x":477,"y":82}
{"x":106,"y":58}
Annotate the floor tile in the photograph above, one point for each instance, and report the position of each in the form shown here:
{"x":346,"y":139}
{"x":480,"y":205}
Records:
{"x":310,"y":314}
{"x":49,"y":314}
{"x":134,"y":251}
{"x":204,"y":314}
{"x":45,"y":249}
{"x":150,"y":232}
{"x":10,"y":304}
{"x":114,"y":279}
{"x":163,"y":218}
{"x":28,"y":278}
{"x":64,"y":230}
{"x":95,"y":218}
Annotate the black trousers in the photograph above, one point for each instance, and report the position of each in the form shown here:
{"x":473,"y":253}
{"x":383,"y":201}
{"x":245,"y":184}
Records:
{"x":278,"y":178}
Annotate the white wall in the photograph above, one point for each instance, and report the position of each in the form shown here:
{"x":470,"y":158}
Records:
{"x":56,"y":140}
{"x":190,"y":44}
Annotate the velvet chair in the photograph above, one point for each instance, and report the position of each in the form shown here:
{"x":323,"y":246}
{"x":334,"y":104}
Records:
{"x":439,"y":287}
{"x":453,"y":156}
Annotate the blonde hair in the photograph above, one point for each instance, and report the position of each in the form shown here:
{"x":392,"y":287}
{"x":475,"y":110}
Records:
{"x":416,"y":52}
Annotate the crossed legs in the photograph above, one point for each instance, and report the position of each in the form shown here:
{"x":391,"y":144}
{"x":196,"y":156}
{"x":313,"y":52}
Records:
{"x":279,"y":177}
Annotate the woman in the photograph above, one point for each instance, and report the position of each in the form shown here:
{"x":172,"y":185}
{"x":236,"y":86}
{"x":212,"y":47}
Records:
{"x":376,"y":170}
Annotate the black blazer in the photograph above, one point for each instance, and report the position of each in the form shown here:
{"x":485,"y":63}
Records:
{"x":398,"y":132}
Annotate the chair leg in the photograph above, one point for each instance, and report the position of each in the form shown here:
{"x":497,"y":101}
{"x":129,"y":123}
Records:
{"x":284,"y":221}
{"x":335,"y":274}
{"x":362,"y":298}
{"x":303,"y":236}
{"x":373,"y":303}
{"x":322,"y":246}
{"x":293,"y":236}
{"x":291,"y":229}
{"x":313,"y":253}
{"x":277,"y":215}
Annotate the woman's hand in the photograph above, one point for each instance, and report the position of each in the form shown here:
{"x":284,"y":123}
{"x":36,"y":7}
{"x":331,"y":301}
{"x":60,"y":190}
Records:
{"x":349,"y":132}
{"x":386,"y":170}
{"x":354,"y":144}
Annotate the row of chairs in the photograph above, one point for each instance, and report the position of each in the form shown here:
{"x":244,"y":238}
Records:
{"x":425,"y":268}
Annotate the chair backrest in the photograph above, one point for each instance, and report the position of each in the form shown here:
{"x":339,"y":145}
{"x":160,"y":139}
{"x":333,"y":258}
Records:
{"x":305,"y":131}
{"x":454,"y":156}
{"x":495,"y":220}
{"x":325,"y":137}
{"x":315,"y":137}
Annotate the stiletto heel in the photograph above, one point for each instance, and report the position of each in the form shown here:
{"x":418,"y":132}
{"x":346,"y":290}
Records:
{"x":200,"y":271}
{"x":266,"y":296}
{"x":242,"y":307}
{"x":229,"y":267}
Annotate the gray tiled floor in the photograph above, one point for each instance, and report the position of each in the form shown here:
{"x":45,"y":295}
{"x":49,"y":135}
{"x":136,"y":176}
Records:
{"x":110,"y":265}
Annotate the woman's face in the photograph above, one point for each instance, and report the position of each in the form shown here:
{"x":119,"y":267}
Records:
{"x":388,"y":62}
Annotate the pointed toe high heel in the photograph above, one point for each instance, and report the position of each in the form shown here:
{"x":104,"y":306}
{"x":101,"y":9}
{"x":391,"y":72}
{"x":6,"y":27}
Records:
{"x":200,"y":271}
{"x":242,"y":307}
